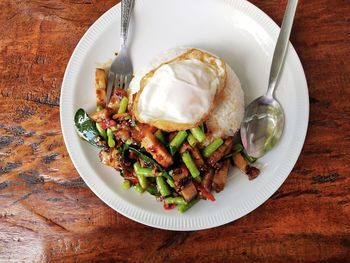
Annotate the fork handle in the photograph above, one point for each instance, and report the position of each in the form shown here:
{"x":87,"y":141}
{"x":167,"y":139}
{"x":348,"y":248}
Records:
{"x":127,"y":6}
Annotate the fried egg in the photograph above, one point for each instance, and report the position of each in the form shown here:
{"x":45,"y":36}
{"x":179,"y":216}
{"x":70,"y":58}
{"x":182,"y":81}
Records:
{"x":183,"y":87}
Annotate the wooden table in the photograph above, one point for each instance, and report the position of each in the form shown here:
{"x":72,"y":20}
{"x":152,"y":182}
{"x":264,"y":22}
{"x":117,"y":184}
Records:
{"x":47,"y":213}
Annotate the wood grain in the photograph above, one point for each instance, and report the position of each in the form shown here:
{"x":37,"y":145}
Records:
{"x":47,"y":213}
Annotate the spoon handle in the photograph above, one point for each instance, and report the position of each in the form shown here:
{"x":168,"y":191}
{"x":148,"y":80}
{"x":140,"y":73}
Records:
{"x":281,"y":46}
{"x":126,"y":9}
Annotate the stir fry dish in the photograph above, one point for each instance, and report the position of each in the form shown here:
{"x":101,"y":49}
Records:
{"x":179,"y":167}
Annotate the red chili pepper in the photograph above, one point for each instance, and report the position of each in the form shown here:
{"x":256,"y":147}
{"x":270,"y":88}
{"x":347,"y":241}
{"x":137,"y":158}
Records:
{"x":205,"y":193}
{"x":169,"y":207}
{"x":103,"y":125}
{"x":134,"y":181}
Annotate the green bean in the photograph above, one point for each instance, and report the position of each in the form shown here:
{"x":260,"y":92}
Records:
{"x":170,"y":182}
{"x":249,"y":158}
{"x":101,"y":131}
{"x":187,"y":159}
{"x":162,"y":186}
{"x":142,"y":171}
{"x":184,"y":208}
{"x":153,"y":190}
{"x":113,"y":128}
{"x":126,"y":184}
{"x":198,"y":134}
{"x":150,"y":161}
{"x":123,"y":105}
{"x":192,"y":140}
{"x":138,"y":188}
{"x":142,"y":181}
{"x":111,"y":142}
{"x":237,"y":148}
{"x":177,"y":141}
{"x":175,"y":200}
{"x":211,"y":148}
{"x":202,"y":127}
{"x":159,"y":135}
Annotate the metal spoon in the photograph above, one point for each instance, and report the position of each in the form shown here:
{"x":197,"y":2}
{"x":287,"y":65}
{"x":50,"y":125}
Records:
{"x":263,"y":121}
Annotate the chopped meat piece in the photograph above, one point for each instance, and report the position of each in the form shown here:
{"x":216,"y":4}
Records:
{"x":189,"y":192}
{"x":208,"y":179}
{"x":221,"y":152}
{"x":171,"y":136}
{"x":100,"y":85}
{"x":136,"y":135}
{"x":197,"y":157}
{"x":252,"y":172}
{"x":116,"y":98}
{"x":122,"y":135}
{"x":195,"y":153}
{"x":156,"y":149}
{"x":111,"y":158}
{"x":181,"y":180}
{"x":220,"y":177}
{"x":101,"y":115}
{"x":185,"y":147}
{"x":240,"y":162}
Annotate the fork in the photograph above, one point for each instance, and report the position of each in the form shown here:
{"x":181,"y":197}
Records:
{"x":121,"y":71}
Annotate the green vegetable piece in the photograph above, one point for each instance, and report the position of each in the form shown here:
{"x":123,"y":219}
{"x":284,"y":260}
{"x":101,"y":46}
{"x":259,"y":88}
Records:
{"x":129,"y":141}
{"x":142,"y":171}
{"x":99,"y":107}
{"x":192,"y":140}
{"x":191,"y":166}
{"x":184,"y":208}
{"x":175,"y":200}
{"x":159,"y":135}
{"x":171,"y":182}
{"x":138,"y":188}
{"x":162,"y":186}
{"x":101,"y":131}
{"x":142,"y":181}
{"x":211,"y":148}
{"x":249,"y":158}
{"x":87,"y":130}
{"x":177,"y":141}
{"x":153,"y":190}
{"x":198,"y":133}
{"x":237,"y":148}
{"x":113,"y":128}
{"x":126,"y":184}
{"x":111,"y":142}
{"x":123,"y":105}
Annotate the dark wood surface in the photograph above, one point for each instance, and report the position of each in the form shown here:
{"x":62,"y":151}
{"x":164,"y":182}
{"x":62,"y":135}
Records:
{"x":47,"y":213}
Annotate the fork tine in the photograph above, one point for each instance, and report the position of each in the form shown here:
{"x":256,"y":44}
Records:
{"x":127,"y":81}
{"x":121,"y":81}
{"x":110,"y":85}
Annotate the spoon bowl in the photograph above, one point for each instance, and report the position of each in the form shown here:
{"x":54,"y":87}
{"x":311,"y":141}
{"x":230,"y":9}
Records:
{"x":262,"y":126}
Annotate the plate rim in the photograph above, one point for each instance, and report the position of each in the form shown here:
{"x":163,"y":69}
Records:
{"x":259,"y":197}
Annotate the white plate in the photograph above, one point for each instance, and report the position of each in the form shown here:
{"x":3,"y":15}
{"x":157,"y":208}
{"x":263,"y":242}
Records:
{"x":235,"y":30}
